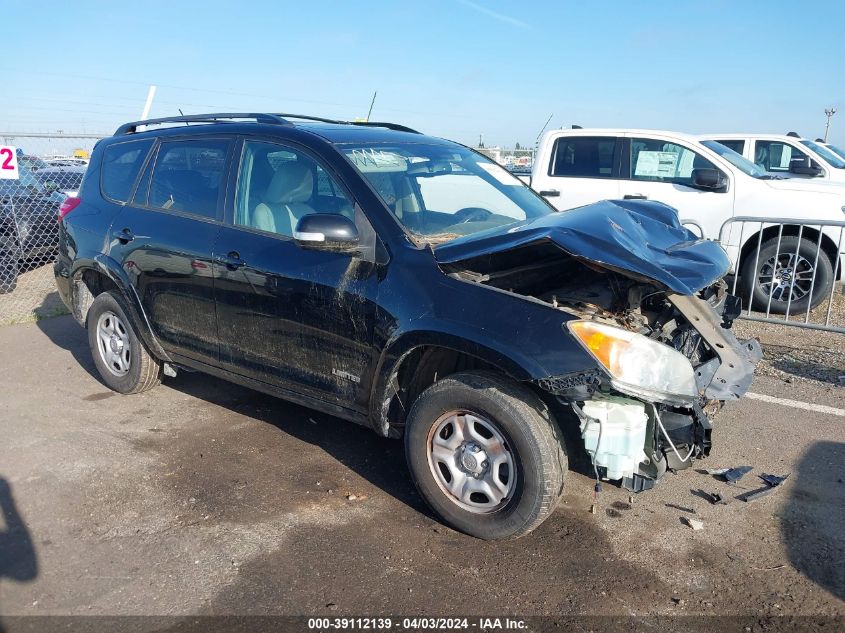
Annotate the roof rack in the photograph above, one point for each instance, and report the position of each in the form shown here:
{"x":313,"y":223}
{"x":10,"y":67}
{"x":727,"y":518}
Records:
{"x":131,"y":128}
{"x":275,"y":119}
{"x":390,"y":126}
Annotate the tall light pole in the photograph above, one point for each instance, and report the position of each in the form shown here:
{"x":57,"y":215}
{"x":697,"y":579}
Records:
{"x":829,"y":112}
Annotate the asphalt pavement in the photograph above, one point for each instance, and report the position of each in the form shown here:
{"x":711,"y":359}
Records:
{"x":201,"y":497}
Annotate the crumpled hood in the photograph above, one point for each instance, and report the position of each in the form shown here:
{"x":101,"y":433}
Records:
{"x":639,"y":237}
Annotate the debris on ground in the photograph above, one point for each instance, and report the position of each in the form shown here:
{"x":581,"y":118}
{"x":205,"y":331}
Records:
{"x":713,"y":497}
{"x":773,"y":480}
{"x":716,"y":471}
{"x":695,"y":524}
{"x":681,"y":508}
{"x":772,"y":484}
{"x":735,"y":474}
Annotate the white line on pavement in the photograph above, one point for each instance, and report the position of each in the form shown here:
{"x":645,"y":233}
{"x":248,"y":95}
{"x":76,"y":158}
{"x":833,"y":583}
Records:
{"x":807,"y":406}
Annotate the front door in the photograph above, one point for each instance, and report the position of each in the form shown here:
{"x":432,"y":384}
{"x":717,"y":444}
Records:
{"x":163,"y":239}
{"x":297,"y":318}
{"x":661,"y":170}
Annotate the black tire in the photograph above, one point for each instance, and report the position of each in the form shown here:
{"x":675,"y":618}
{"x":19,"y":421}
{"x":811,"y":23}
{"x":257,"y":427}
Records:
{"x":530,"y":435}
{"x":758,"y":281}
{"x":143,"y":370}
{"x":8,"y":269}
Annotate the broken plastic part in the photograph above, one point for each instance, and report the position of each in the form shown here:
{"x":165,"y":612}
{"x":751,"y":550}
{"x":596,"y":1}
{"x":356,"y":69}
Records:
{"x":773,"y":480}
{"x":735,"y":474}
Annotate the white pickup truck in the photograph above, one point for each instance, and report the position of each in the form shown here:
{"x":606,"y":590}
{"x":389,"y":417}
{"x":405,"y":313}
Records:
{"x":786,"y":154}
{"x":708,"y":184}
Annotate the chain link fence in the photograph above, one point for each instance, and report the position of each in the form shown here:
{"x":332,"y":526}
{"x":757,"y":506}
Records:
{"x":50,"y":168}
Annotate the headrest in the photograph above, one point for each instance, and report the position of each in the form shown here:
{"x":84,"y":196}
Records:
{"x":293,"y":182}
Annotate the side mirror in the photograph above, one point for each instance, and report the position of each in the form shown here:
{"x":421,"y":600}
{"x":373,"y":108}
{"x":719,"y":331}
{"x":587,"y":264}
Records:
{"x":51,"y":186}
{"x":326,"y":232}
{"x":804,"y":167}
{"x":709,"y":179}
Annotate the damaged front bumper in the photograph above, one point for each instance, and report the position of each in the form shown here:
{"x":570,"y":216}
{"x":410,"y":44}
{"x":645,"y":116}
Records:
{"x":636,"y":439}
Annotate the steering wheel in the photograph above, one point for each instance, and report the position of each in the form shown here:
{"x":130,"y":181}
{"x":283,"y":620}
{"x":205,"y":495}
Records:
{"x":471,"y":214}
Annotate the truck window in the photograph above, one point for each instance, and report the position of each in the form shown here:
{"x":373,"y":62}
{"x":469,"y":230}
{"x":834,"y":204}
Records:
{"x":775,"y":156}
{"x":660,"y":161}
{"x":735,"y":145}
{"x":583,"y":157}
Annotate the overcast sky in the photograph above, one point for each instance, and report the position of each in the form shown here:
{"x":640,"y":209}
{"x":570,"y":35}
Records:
{"x":452,"y":68}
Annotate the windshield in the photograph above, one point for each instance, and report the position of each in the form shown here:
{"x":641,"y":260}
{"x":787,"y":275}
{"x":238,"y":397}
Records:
{"x":825,"y":152}
{"x":737,"y":160}
{"x":836,"y":150}
{"x":442,"y":192}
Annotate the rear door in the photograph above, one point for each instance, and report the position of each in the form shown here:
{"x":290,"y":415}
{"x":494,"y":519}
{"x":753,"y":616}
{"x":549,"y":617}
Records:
{"x":661,"y":169}
{"x":293,"y":317}
{"x":164,"y":237}
{"x":579,"y":170}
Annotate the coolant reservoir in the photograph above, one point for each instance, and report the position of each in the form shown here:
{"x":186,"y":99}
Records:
{"x":615,"y":435}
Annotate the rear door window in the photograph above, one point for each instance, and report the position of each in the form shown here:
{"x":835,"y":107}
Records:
{"x":584,"y":157}
{"x":121,"y":164}
{"x":188,"y":175}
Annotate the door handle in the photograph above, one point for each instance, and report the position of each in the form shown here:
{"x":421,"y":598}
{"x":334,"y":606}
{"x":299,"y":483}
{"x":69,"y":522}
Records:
{"x":550,"y":193}
{"x":635,"y":196}
{"x":232,"y":260}
{"x":124,"y":237}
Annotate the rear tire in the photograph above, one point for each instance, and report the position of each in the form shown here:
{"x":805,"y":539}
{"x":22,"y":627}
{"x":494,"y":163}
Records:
{"x":124,"y":363}
{"x":478,"y":431}
{"x":791,"y":275}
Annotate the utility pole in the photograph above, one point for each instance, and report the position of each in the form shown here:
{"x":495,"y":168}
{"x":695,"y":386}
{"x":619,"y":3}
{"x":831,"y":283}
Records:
{"x":149,"y":103}
{"x":829,"y":112}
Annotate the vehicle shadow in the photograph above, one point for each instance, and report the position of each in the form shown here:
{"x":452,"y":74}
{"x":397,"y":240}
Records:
{"x":64,"y":332}
{"x":379,"y":460}
{"x":813,"y":520}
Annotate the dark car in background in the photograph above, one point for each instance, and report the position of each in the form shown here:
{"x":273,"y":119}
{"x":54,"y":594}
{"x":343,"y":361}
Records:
{"x":411,"y":285}
{"x":28,"y":228}
{"x":65,"y":180}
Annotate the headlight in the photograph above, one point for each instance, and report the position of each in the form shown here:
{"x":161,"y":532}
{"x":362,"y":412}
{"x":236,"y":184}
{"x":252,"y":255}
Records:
{"x":638,"y":365}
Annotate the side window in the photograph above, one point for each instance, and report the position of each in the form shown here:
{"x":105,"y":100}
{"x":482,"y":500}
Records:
{"x":121,"y":163}
{"x":277,"y":186}
{"x":188,"y":175}
{"x":584,"y":157}
{"x":776,"y":155}
{"x":660,"y":161}
{"x":737,"y":146}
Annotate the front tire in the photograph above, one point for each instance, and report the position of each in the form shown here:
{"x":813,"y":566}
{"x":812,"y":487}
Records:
{"x":790,"y":275}
{"x":485,"y":455}
{"x":124,"y":363}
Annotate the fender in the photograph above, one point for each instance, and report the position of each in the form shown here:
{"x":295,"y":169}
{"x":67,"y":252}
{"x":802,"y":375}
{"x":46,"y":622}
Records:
{"x":401,"y":344}
{"x":109,"y":267}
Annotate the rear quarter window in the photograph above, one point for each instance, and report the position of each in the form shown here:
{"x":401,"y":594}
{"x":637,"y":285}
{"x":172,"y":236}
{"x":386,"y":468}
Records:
{"x":121,"y":164}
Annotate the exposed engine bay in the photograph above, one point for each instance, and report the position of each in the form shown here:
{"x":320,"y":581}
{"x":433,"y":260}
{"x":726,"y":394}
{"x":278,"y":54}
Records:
{"x":633,"y":435}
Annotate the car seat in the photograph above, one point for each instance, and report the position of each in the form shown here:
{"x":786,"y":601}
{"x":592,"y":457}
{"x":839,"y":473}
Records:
{"x":285,"y":199}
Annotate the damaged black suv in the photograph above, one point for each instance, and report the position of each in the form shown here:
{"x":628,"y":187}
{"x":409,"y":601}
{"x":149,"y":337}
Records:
{"x":408,"y":284}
